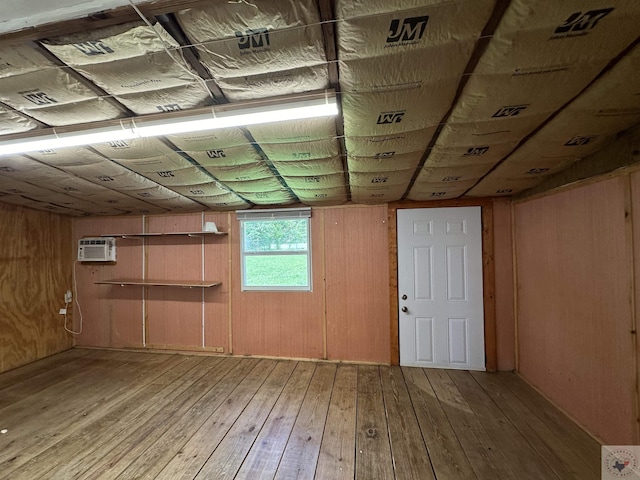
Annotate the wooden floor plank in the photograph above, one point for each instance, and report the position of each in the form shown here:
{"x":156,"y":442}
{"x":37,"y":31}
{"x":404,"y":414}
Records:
{"x":555,"y":452}
{"x":520,"y":457}
{"x":373,"y":451}
{"x":151,"y":454}
{"x":193,"y":455}
{"x":558,"y":422}
{"x":46,"y":365}
{"x":300,"y":456}
{"x":408,"y":449}
{"x":226,"y":459}
{"x":264,"y":457}
{"x":71,"y":404}
{"x":132,"y":415}
{"x":72,"y":450}
{"x":445,"y":451}
{"x":337,"y":451}
{"x":485,"y":459}
{"x":198,"y":382}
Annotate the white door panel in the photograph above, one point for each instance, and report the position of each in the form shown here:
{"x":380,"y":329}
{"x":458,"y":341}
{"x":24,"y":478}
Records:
{"x":440,"y":288}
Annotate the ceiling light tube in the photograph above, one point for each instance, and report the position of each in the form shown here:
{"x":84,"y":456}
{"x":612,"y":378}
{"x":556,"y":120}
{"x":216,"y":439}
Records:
{"x":225,"y":116}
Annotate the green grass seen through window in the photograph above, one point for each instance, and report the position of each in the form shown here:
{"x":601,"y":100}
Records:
{"x":276,"y":270}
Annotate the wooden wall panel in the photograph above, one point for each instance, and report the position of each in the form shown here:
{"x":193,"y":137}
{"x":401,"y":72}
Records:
{"x":281,"y":324}
{"x":357,"y":284}
{"x":503,"y":261}
{"x":35,"y":272}
{"x":634,"y":184}
{"x":111,"y":315}
{"x":174,"y":315}
{"x":574,"y":309}
{"x":217,"y":260}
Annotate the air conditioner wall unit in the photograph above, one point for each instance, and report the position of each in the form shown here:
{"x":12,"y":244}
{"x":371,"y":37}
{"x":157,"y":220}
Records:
{"x":97,"y":249}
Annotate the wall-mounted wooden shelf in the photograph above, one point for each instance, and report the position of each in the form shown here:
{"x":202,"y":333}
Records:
{"x":159,"y":283}
{"x":166,"y":234}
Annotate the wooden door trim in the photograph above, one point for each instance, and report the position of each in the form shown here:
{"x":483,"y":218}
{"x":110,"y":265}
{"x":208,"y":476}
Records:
{"x":488,"y":273}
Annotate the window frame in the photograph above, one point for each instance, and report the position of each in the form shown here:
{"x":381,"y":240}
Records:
{"x":275,"y":215}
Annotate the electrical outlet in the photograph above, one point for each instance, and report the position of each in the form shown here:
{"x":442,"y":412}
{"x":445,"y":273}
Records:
{"x":63,"y":311}
{"x":68,"y":296}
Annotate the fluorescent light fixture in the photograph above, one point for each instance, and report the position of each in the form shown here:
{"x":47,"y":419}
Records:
{"x":224,"y":116}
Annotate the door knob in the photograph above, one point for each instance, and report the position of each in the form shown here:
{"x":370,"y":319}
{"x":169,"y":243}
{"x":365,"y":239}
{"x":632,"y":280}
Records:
{"x":404,"y":309}
{"x":404,"y":297}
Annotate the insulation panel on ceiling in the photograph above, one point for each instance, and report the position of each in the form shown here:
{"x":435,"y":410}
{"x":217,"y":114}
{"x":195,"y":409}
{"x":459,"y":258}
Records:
{"x":34,"y":85}
{"x":259,"y":50}
{"x":140,"y":66}
{"x":609,"y":105}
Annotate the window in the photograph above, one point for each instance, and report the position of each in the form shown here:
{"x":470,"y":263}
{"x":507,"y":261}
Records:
{"x":275,"y":249}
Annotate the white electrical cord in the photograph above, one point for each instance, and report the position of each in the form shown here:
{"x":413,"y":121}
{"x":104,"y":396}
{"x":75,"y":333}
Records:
{"x":75,"y":296}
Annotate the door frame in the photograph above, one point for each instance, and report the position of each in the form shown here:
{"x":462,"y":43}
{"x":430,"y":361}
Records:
{"x":488,"y":273}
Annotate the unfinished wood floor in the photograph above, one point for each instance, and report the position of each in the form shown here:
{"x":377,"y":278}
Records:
{"x":125,"y":415}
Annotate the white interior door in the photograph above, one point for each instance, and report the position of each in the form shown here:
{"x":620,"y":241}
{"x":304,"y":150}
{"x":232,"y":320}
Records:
{"x":440,"y":288}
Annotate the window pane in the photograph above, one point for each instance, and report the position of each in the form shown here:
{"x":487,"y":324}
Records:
{"x":275,"y":235}
{"x":276,"y":271}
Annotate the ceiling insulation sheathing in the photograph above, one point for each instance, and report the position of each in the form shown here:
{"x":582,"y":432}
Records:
{"x":323,"y":148}
{"x":389,"y":112}
{"x":378,"y":179}
{"x":292,"y":131}
{"x":384,"y":162}
{"x":323,"y":196}
{"x":31,"y":83}
{"x":531,"y":35}
{"x":265,"y":39}
{"x":11,"y":186}
{"x":367,"y":29}
{"x":537,"y":168}
{"x":413,"y":69}
{"x":452,"y":174}
{"x":479,"y":154}
{"x":248,"y":172}
{"x":271,"y":84}
{"x":26,"y":202}
{"x":377,"y":194}
{"x":397,"y":143}
{"x":538,"y":59}
{"x":471,"y":134}
{"x":110,"y":175}
{"x":67,"y":157}
{"x":226,"y":156}
{"x":498,"y":187}
{"x":324,"y":166}
{"x":438,"y":191}
{"x":208,"y":139}
{"x":315,"y":182}
{"x":12,"y":122}
{"x":265,"y":184}
{"x":196,"y":190}
{"x":489,"y":97}
{"x":179,"y":177}
{"x":152,"y":165}
{"x":275,"y":197}
{"x":133,"y":149}
{"x":130,"y":62}
{"x":166,"y":99}
{"x":609,"y":105}
{"x":228,"y":201}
